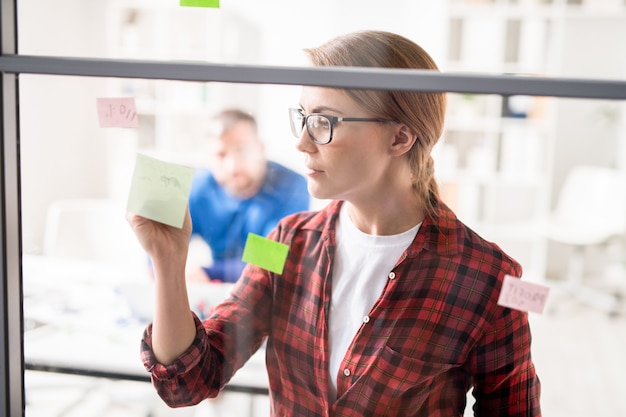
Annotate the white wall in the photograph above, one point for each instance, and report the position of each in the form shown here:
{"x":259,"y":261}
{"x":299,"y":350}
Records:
{"x":589,"y":131}
{"x":61,"y":152}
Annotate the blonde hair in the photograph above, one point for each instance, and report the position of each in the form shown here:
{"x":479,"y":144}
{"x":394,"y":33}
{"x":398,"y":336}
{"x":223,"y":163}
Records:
{"x":422,"y":112}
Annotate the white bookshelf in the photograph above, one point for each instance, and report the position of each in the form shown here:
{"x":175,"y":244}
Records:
{"x":500,"y":161}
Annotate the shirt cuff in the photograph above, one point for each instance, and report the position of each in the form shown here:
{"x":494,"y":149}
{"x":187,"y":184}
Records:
{"x":186,"y":361}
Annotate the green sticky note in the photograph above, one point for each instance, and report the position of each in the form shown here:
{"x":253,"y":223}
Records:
{"x":265,"y":253}
{"x":200,"y":3}
{"x":160,"y":190}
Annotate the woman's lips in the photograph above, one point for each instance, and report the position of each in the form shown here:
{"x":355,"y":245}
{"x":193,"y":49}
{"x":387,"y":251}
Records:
{"x":312,"y":171}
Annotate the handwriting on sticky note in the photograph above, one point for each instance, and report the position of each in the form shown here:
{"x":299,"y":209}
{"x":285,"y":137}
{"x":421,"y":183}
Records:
{"x":523,"y":295}
{"x":265,"y":253}
{"x":200,"y":3}
{"x":160,"y":190}
{"x":117,"y":112}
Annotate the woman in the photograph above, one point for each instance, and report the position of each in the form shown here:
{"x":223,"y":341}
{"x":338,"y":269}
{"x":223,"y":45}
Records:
{"x":387,"y":302}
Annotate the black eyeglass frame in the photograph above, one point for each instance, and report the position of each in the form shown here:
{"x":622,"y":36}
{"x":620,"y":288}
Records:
{"x":332,"y":119}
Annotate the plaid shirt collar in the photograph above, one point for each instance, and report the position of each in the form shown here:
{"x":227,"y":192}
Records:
{"x":438,"y":233}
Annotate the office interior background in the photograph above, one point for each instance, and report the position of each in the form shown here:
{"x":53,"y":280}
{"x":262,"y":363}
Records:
{"x":506,"y":165}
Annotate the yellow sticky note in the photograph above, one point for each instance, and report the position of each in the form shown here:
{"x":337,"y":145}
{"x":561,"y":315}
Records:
{"x":200,"y":3}
{"x":265,"y":253}
{"x":160,"y":190}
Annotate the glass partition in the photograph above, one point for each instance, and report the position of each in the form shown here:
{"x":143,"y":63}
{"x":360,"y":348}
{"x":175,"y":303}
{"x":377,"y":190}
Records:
{"x":502,"y":168}
{"x":506,"y":165}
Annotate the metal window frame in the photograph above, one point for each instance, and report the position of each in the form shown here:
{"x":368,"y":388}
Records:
{"x":11,"y":343}
{"x":341,"y":77}
{"x":12,"y":64}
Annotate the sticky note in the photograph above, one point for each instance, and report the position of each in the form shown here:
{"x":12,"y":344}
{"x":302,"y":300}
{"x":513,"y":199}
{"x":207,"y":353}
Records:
{"x":522,"y":295}
{"x":265,"y":253}
{"x":117,"y":112}
{"x":159,"y":190}
{"x":200,"y":3}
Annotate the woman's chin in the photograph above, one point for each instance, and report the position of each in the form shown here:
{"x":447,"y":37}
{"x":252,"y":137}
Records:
{"x":319,"y":193}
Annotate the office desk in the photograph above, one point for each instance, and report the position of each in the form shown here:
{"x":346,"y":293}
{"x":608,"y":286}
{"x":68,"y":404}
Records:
{"x":78,"y":320}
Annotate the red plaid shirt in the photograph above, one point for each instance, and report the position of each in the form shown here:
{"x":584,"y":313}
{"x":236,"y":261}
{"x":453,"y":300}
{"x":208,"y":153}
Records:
{"x":434,"y":333}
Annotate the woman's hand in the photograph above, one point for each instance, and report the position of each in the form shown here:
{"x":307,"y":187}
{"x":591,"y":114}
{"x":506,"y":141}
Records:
{"x":173,"y":327}
{"x":159,"y":240}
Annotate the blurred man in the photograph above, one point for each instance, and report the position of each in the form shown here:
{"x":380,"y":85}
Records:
{"x":242,"y":192}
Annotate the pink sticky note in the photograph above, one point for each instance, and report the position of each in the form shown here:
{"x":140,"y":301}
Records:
{"x":522,"y":295}
{"x":117,"y":112}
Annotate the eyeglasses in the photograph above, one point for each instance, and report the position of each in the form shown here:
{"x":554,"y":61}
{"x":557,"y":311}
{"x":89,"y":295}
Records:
{"x":320,"y":126}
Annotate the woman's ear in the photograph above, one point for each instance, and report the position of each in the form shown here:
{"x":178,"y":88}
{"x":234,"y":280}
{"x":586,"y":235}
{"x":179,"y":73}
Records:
{"x":403,"y":140}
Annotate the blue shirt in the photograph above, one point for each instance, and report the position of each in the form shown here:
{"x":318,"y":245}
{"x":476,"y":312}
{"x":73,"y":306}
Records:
{"x":224,"y":221}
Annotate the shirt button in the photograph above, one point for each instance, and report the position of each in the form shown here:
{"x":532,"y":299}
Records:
{"x":366,"y":319}
{"x":392,"y":275}
{"x":346,"y":372}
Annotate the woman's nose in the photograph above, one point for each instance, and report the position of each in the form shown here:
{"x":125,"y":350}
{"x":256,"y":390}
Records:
{"x":305,"y":144}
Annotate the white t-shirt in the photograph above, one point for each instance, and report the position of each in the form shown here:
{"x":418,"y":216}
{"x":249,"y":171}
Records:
{"x":362,"y":264}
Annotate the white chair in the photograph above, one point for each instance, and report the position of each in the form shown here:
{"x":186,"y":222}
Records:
{"x":591,"y":211}
{"x":90,"y":229}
